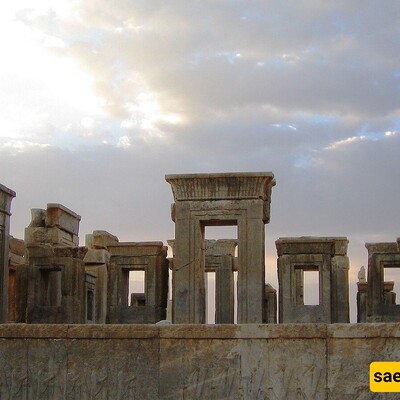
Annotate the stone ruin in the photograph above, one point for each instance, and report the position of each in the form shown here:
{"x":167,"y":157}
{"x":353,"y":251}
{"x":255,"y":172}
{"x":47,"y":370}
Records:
{"x":49,"y":278}
{"x":326,"y":256}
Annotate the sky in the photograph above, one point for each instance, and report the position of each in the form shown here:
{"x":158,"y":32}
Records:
{"x":100,"y":100}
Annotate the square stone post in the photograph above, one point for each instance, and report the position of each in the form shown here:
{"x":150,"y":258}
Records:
{"x":6,"y":196}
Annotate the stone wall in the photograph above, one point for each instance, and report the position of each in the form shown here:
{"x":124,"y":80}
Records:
{"x":287,"y":361}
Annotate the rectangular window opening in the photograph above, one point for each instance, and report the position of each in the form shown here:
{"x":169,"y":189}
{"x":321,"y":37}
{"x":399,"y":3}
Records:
{"x":391,"y":277}
{"x":137,"y":288}
{"x":311,"y":288}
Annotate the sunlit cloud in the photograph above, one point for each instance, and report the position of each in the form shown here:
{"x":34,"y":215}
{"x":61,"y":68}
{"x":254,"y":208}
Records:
{"x":20,"y":146}
{"x":344,"y":142}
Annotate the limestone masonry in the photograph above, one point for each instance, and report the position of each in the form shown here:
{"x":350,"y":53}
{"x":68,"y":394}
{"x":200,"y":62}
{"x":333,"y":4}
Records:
{"x":72,"y":328}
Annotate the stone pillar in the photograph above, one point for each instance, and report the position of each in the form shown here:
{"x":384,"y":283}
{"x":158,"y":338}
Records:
{"x":271,"y":306}
{"x":201,"y":200}
{"x":328,"y":256}
{"x":97,"y":263}
{"x":6,"y":196}
{"x":220,"y":258}
{"x":381,"y":306}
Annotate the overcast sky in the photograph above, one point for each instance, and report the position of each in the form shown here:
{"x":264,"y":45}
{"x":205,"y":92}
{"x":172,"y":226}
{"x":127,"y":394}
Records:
{"x":99,"y":100}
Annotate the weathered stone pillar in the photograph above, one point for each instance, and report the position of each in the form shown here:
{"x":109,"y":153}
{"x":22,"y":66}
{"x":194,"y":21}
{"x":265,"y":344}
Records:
{"x":271,"y":306}
{"x":6,"y":196}
{"x":201,"y":200}
{"x":220,"y":258}
{"x":97,"y":263}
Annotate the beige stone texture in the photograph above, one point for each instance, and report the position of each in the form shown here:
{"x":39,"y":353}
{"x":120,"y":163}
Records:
{"x":180,"y":362}
{"x":63,"y":218}
{"x":100,"y":240}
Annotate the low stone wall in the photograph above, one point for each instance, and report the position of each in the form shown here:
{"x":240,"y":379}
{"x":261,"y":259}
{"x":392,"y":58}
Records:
{"x":288,"y":361}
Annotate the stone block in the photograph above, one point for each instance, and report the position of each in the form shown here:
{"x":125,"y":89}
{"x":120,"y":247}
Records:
{"x":60,"y":216}
{"x":97,"y":256}
{"x":137,"y":249}
{"x":100,"y":240}
{"x":17,"y":246}
{"x":54,"y":236}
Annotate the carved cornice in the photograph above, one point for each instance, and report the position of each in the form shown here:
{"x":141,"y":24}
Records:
{"x":225,"y":186}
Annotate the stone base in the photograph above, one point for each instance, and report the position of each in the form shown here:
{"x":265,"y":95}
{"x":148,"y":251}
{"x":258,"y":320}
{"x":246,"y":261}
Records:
{"x":288,"y":361}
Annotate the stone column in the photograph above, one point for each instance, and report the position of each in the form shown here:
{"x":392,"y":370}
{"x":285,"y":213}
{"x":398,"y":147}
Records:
{"x":6,"y":196}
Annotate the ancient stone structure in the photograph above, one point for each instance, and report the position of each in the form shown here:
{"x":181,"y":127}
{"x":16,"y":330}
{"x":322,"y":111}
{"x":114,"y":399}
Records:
{"x":271,"y":306}
{"x":201,"y":200}
{"x":381,"y":300}
{"x":328,"y":256}
{"x":220,"y":259}
{"x":145,"y":308}
{"x":180,"y":362}
{"x":97,"y":264}
{"x":6,"y":196}
{"x":58,"y":287}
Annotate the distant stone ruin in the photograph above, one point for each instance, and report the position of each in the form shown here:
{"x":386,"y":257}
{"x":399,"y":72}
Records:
{"x":49,"y":278}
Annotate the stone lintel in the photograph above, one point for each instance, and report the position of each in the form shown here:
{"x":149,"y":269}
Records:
{"x":6,"y":195}
{"x":137,"y":249}
{"x":386,"y":248}
{"x":312,"y":245}
{"x":100,"y":239}
{"x":224,"y":186}
{"x":221,"y":247}
{"x":62,"y":217}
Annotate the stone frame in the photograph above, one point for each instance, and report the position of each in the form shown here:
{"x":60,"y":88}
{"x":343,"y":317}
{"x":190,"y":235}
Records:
{"x":328,"y":255}
{"x":381,"y":256}
{"x":201,"y":200}
{"x":142,"y":256}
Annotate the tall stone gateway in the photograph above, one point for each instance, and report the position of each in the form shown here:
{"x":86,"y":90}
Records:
{"x":6,"y":196}
{"x":201,"y":200}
